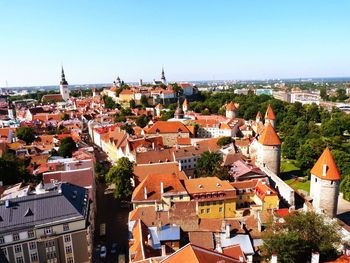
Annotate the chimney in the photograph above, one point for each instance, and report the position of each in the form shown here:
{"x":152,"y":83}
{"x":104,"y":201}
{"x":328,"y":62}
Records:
{"x":241,"y":259}
{"x":274,"y":258}
{"x":347,"y":251}
{"x":153,"y":145}
{"x":324,"y":170}
{"x":145,"y":192}
{"x":163,"y":251}
{"x":227,"y":230}
{"x":315,"y":257}
{"x":161,"y":188}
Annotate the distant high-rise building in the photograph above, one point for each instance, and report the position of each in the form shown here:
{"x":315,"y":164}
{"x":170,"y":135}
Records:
{"x":64,"y":89}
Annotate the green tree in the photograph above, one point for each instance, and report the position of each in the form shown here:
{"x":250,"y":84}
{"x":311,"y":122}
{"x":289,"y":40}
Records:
{"x":128,"y":128}
{"x":309,"y":152}
{"x":65,"y":117}
{"x":12,"y":169}
{"x":109,"y":102}
{"x":300,"y":235}
{"x":345,"y":187}
{"x":342,"y":160}
{"x":26,"y":134}
{"x":209,"y":164}
{"x":120,"y":175}
{"x":290,"y":146}
{"x":224,"y":141}
{"x":132,"y":104}
{"x":323,"y":93}
{"x":142,"y":121}
{"x":67,"y":147}
{"x":144,"y":100}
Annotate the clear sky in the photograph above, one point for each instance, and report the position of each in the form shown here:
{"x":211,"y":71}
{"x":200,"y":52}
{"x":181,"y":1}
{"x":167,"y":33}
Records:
{"x":193,"y":39}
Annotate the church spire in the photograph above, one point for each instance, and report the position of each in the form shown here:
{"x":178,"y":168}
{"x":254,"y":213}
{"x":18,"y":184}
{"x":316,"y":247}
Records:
{"x":63,"y":78}
{"x":163,"y":76}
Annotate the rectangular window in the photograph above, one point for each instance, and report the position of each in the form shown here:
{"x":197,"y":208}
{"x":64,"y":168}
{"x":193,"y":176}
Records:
{"x":67,"y":238}
{"x":34,"y":256}
{"x":15,"y":237}
{"x":51,"y":255}
{"x":208,"y":210}
{"x":30,"y":234}
{"x":202,"y":211}
{"x":220,"y":209}
{"x":70,"y":260}
{"x":68,"y":249}
{"x":32,"y":245}
{"x":181,"y":197}
{"x":50,"y":243}
{"x":4,"y":251}
{"x":48,"y":230}
{"x":2,"y":240}
{"x":65,"y":227}
{"x":19,"y":260}
{"x":18,"y":248}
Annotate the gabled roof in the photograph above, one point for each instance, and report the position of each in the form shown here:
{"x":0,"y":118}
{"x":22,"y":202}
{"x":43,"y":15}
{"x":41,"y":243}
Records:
{"x":269,"y":113}
{"x":167,"y":127}
{"x":207,"y":185}
{"x":195,"y":254}
{"x":269,"y":136}
{"x":152,"y":185}
{"x":326,"y":162}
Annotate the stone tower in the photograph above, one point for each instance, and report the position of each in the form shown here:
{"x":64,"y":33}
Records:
{"x":231,"y":110}
{"x":270,"y":117}
{"x":64,"y":90}
{"x":185,"y":106}
{"x":324,"y":187}
{"x":269,"y":150}
{"x":179,"y":113}
{"x":158,"y":108}
{"x":258,"y":117}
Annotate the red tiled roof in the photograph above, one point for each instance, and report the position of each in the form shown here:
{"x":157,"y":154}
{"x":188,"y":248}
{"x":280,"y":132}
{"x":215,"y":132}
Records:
{"x":167,"y":127}
{"x":195,"y":254}
{"x":269,"y":136}
{"x":234,"y":251}
{"x":327,"y":162}
{"x":152,"y":184}
{"x":269,"y":113}
{"x":230,"y":106}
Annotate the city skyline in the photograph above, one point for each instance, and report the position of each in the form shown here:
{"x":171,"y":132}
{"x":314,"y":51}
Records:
{"x":194,"y":41}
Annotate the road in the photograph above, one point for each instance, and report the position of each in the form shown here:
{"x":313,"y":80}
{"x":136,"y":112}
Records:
{"x":110,"y":212}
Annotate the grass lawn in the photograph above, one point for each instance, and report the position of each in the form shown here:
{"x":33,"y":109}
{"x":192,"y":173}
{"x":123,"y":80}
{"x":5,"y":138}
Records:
{"x":289,"y":171}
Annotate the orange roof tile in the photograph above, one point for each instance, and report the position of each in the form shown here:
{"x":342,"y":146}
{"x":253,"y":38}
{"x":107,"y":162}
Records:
{"x":269,"y":113}
{"x":168,"y":127}
{"x":234,"y":251}
{"x":258,"y":115}
{"x":195,"y":254}
{"x":269,"y":136}
{"x":152,"y":184}
{"x":332,"y":172}
{"x":231,"y":106}
{"x":207,"y":185}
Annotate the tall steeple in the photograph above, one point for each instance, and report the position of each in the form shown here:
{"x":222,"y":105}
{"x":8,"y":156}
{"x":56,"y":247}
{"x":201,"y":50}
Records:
{"x":163,"y":76}
{"x":64,"y":90}
{"x":63,"y":78}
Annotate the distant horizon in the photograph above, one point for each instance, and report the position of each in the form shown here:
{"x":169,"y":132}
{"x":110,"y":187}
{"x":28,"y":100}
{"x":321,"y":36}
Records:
{"x":193,"y":40}
{"x":198,"y":80}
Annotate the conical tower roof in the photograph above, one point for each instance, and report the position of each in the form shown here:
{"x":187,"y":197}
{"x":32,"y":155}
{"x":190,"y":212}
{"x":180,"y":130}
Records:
{"x":269,"y":136}
{"x":258,"y":115}
{"x":270,"y":115}
{"x":230,"y":106}
{"x":325,"y":167}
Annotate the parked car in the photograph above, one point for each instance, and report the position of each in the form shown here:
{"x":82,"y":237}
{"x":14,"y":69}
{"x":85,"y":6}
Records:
{"x":114,"y":248}
{"x":103,"y":252}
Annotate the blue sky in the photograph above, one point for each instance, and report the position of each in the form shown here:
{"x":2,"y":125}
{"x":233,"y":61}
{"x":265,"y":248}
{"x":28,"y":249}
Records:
{"x":233,"y":39}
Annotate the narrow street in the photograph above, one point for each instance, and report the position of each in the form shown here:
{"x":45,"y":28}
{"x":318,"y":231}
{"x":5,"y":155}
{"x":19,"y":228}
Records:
{"x":115,"y":217}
